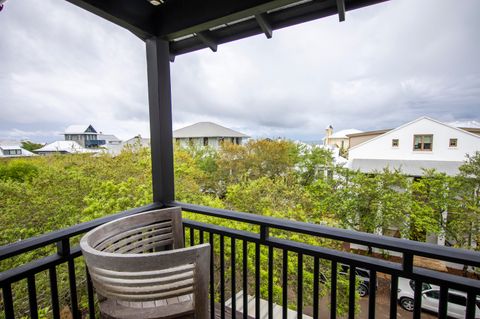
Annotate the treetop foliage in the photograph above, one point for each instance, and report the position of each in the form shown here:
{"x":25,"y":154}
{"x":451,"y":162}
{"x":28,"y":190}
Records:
{"x":275,"y":177}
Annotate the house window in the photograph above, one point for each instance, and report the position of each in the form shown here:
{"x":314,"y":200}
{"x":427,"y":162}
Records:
{"x":422,"y":142}
{"x":12,"y":152}
{"x":395,"y":142}
{"x":453,"y":142}
{"x":205,"y":141}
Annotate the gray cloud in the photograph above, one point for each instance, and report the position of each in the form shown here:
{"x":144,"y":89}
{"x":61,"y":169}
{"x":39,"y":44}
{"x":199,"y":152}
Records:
{"x":386,"y":65}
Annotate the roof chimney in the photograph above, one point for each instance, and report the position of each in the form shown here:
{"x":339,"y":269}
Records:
{"x":328,"y":133}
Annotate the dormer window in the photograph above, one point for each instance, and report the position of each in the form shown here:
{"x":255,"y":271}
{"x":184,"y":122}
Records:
{"x":453,"y":142}
{"x":422,"y":142}
{"x":395,"y":142}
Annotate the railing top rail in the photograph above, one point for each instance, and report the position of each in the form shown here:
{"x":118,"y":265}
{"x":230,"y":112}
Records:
{"x":32,"y":243}
{"x":410,"y":247}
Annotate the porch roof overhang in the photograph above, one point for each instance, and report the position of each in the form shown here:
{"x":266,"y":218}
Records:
{"x":191,"y":25}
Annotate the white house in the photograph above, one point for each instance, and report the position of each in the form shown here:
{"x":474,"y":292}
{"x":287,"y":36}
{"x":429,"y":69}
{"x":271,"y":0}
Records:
{"x":63,"y":147}
{"x":7,"y":150}
{"x":207,"y":134}
{"x":424,"y":143}
{"x":338,"y":139}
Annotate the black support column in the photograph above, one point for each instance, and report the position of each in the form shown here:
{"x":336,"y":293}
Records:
{"x":160,"y":106}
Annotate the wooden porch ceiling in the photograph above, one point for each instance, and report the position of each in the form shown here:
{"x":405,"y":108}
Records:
{"x":191,"y":25}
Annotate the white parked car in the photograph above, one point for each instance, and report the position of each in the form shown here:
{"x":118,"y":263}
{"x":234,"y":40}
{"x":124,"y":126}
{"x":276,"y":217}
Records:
{"x":457,"y":300}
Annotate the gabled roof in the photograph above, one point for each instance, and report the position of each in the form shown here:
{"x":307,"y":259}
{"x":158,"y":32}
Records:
{"x":10,"y":147}
{"x":367,"y":133}
{"x":80,"y":129}
{"x":108,"y":137}
{"x":63,"y":146}
{"x":206,"y":129}
{"x":414,"y":121}
{"x":344,"y":133}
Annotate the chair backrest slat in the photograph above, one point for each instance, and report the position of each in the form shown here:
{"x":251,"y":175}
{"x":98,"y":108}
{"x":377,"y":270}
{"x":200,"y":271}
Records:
{"x":143,"y":274}
{"x":140,"y":244}
{"x":126,"y":281}
{"x":142,"y":290}
{"x":119,"y":239}
{"x":133,"y":238}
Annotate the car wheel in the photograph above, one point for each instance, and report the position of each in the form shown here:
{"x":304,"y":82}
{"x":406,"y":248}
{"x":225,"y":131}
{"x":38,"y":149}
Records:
{"x":407,"y":303}
{"x":362,"y":290}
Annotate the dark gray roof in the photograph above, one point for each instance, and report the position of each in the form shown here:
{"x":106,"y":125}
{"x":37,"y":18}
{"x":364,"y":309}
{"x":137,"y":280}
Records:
{"x":408,"y":167}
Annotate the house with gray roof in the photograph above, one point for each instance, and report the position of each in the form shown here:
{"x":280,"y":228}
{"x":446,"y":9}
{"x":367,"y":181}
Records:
{"x":207,"y":134}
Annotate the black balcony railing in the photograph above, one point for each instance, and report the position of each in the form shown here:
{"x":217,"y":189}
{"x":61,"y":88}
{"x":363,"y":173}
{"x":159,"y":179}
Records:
{"x":255,"y":259}
{"x":94,"y":143}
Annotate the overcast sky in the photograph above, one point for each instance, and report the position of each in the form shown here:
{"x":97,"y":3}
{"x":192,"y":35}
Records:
{"x":385,"y":65}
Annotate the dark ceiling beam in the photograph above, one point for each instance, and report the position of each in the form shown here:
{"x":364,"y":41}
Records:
{"x":182,"y":17}
{"x":136,"y":16}
{"x":207,"y":40}
{"x":279,"y":19}
{"x":341,"y":10}
{"x":264,"y":24}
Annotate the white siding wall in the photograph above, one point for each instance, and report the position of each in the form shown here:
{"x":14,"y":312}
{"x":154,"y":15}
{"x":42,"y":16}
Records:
{"x":212,"y":141}
{"x":381,"y":148}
